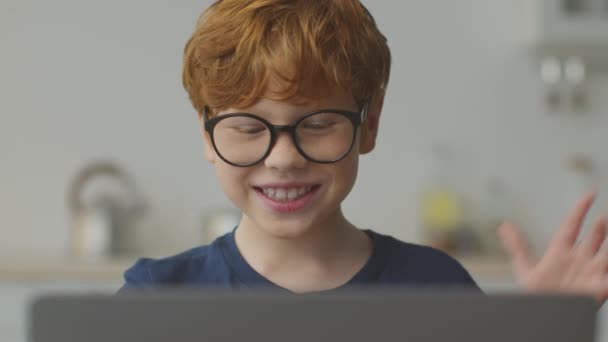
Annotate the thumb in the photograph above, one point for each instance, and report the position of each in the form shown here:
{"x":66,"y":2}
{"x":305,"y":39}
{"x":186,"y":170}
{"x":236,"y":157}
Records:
{"x":517,"y":247}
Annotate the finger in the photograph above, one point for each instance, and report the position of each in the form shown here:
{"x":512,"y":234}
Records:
{"x":571,"y":227}
{"x":517,"y":247}
{"x":600,"y":260}
{"x":592,"y":244}
{"x":602,"y":295}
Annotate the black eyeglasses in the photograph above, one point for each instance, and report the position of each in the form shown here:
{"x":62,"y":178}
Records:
{"x":324,"y":136}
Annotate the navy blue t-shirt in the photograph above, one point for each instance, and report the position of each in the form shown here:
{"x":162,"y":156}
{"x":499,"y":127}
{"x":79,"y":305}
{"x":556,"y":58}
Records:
{"x":220,"y":265}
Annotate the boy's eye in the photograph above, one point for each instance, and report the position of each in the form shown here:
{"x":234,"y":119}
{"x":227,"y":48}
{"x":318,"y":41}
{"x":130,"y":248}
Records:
{"x":249,"y":129}
{"x":324,"y":121}
{"x":317,"y":124}
{"x":242,"y":125}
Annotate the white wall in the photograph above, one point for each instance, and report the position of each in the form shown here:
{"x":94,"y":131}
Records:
{"x":82,"y":80}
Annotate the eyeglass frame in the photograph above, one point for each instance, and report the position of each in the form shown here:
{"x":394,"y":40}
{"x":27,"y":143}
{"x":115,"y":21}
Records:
{"x":356,"y":118}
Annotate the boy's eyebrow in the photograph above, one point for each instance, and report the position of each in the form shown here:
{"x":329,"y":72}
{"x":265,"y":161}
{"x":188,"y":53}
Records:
{"x":262,"y":111}
{"x":295,"y":115}
{"x":271,"y":117}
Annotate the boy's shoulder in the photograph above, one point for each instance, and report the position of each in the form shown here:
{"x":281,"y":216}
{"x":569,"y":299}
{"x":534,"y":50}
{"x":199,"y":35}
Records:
{"x":407,"y":262}
{"x":202,"y":263}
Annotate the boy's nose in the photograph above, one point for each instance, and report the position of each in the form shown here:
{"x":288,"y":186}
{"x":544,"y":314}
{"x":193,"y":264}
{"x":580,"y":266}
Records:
{"x":284,"y":154}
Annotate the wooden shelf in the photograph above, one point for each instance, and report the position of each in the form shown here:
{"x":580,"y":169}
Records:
{"x":64,"y":269}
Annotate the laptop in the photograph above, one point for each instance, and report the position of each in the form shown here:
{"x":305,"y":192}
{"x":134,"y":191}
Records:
{"x":356,"y":316}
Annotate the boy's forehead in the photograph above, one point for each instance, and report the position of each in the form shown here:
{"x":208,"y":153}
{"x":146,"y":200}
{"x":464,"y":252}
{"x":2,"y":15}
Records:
{"x":272,"y":102}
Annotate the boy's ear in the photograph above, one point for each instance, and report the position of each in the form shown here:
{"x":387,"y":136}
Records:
{"x":209,"y":152}
{"x":369,"y":127}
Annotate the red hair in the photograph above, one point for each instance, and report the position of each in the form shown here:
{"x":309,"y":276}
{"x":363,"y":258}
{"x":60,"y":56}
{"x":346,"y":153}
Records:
{"x":310,"y":46}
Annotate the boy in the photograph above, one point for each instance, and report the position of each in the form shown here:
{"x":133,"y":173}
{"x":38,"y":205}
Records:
{"x":289,"y":94}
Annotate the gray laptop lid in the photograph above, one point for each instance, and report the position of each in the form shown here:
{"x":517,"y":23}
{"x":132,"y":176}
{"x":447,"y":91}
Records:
{"x":361,"y":316}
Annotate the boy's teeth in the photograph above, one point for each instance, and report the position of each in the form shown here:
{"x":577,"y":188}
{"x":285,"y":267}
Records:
{"x":281,"y":194}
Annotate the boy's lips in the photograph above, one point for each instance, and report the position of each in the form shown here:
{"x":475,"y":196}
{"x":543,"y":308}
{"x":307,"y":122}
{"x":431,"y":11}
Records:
{"x":287,"y":197}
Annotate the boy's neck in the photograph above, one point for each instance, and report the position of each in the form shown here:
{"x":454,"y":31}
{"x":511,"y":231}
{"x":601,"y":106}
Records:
{"x":332,"y":253}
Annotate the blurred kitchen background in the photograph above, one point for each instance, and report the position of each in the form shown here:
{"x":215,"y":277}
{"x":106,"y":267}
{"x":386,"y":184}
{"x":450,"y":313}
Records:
{"x":495,"y":109}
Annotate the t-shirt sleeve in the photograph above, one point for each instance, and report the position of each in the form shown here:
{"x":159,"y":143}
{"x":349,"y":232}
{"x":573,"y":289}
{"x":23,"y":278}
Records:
{"x":462,"y":277}
{"x":451,"y":273}
{"x":429,"y":267}
{"x":446,"y":270}
{"x":137,"y":276}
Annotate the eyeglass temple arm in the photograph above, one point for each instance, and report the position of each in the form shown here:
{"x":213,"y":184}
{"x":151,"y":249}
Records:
{"x":364,"y":111}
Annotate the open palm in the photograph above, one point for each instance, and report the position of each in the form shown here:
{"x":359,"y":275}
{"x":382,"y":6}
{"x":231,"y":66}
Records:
{"x":566,"y":266}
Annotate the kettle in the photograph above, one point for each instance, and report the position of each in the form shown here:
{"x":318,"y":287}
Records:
{"x":103,"y":218}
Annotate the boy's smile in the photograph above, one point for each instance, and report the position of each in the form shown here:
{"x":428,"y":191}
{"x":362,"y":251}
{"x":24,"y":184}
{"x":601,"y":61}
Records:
{"x":287,"y":197}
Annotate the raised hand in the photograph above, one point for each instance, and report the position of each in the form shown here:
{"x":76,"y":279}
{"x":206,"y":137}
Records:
{"x":566,"y":266}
